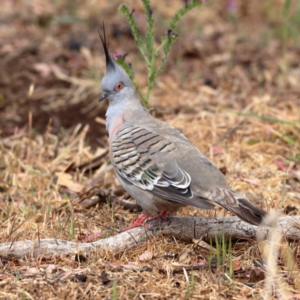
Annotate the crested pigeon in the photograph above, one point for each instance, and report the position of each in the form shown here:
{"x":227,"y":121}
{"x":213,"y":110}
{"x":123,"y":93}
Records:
{"x":156,"y":164}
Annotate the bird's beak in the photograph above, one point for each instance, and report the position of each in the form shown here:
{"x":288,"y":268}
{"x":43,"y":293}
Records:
{"x":104,"y":95}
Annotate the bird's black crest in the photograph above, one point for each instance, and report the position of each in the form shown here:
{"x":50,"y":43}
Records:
{"x":109,"y":62}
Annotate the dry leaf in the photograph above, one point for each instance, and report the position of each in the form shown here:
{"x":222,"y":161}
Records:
{"x":66,"y":180}
{"x":252,"y":181}
{"x":202,"y":262}
{"x":296,"y":173}
{"x":32,"y":271}
{"x":244,"y":292}
{"x":51,"y":269}
{"x":205,"y":245}
{"x":130,"y":266}
{"x":236,"y":264}
{"x":257,"y":274}
{"x":280,"y":165}
{"x":147,"y":255}
{"x":45,"y":69}
{"x":87,"y":55}
{"x":94,"y":236}
{"x":184,"y":256}
{"x":5,"y":276}
{"x":217,"y":150}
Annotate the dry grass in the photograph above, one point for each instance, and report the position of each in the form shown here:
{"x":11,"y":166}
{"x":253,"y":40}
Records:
{"x":42,"y":166}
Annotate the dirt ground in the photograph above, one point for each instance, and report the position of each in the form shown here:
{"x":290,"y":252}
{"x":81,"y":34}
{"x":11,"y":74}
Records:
{"x":231,"y":85}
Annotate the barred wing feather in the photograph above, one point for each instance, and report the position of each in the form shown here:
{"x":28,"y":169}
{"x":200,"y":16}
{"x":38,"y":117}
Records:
{"x":147,"y":160}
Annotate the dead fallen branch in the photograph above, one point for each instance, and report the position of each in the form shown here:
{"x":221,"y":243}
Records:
{"x":184,"y":228}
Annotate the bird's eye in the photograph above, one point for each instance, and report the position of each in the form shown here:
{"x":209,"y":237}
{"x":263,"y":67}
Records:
{"x":119,"y":86}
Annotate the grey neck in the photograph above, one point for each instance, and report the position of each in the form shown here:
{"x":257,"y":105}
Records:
{"x":125,"y":109}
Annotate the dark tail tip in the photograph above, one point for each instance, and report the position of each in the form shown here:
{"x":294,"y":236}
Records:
{"x":250,"y":213}
{"x":109,"y":62}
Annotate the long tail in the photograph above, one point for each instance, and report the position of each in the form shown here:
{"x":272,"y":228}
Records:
{"x":249,"y":212}
{"x":242,"y":208}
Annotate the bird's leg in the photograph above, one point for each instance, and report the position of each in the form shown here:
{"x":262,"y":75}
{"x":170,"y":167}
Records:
{"x":138,"y":222}
{"x":162,"y":215}
{"x":143,"y":217}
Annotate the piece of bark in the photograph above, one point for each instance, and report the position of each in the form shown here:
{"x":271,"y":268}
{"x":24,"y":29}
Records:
{"x":97,"y":180}
{"x":184,"y":228}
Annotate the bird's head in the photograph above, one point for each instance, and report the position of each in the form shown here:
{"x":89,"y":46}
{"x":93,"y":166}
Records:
{"x":116,"y":84}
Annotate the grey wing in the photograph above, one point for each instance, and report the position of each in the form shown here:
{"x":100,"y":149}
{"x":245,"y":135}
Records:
{"x":152,"y":161}
{"x":210,"y":184}
{"x":147,"y":159}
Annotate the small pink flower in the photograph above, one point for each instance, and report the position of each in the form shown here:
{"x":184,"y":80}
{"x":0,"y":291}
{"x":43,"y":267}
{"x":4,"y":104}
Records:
{"x":116,"y":55}
{"x":232,"y":6}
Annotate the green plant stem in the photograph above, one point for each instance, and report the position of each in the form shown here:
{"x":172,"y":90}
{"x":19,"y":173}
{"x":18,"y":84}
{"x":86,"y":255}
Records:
{"x":269,"y":118}
{"x":182,"y":11}
{"x":146,"y":45}
{"x":150,"y":80}
{"x":134,"y":28}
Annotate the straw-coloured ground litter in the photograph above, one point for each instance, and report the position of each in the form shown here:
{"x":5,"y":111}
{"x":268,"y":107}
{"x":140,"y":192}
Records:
{"x":231,"y":86}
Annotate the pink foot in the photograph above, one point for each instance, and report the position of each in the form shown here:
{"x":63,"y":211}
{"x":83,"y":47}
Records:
{"x":138,"y":222}
{"x":162,"y":215}
{"x":143,"y":217}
